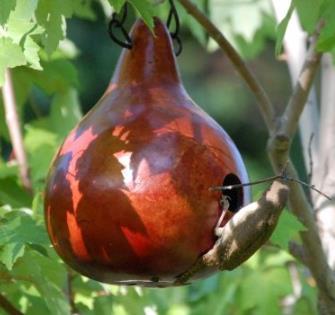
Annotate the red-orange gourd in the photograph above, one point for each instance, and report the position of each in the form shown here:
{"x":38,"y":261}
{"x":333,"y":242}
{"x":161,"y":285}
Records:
{"x":128,"y":199}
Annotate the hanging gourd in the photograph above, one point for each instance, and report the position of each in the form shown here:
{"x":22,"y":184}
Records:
{"x":128,"y":198}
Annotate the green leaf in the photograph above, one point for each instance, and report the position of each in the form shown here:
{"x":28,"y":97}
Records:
{"x":83,"y":9}
{"x":247,"y":19}
{"x":7,"y":170}
{"x":17,"y":229}
{"x":308,"y":11}
{"x":65,"y":112}
{"x":10,"y":253}
{"x":41,"y":146}
{"x":197,"y":30}
{"x":117,"y":4}
{"x":48,"y":277}
{"x":264,"y":296}
{"x":326,"y":41}
{"x":245,"y":24}
{"x":281,"y":29}
{"x":13,"y":194}
{"x":144,"y":8}
{"x":51,"y":14}
{"x":6,"y":6}
{"x":20,"y":21}
{"x":11,"y":55}
{"x":36,"y":305}
{"x":31,"y":50}
{"x":288,"y":227}
{"x":57,"y":76}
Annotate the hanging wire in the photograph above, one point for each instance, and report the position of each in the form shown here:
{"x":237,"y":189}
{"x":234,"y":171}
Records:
{"x":173,"y":14}
{"x":117,"y":22}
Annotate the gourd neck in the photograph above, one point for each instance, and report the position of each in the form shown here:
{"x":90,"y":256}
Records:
{"x":150,"y":60}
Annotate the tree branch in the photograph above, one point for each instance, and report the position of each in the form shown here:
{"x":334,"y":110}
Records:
{"x":279,"y":146}
{"x":14,"y":128}
{"x":295,"y":51}
{"x":8,"y":306}
{"x":264,"y":102}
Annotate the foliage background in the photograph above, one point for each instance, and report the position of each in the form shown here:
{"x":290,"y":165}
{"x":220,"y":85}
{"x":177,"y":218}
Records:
{"x":62,"y":59}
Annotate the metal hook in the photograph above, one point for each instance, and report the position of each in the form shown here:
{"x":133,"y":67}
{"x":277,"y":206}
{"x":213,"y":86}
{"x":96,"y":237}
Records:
{"x":117,"y":22}
{"x":173,"y":14}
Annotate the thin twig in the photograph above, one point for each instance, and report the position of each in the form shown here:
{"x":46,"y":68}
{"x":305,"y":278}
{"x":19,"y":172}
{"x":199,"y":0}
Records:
{"x":271,"y":179}
{"x":70,"y":293}
{"x":264,"y":102}
{"x":13,"y":124}
{"x":8,"y":306}
{"x":261,"y":181}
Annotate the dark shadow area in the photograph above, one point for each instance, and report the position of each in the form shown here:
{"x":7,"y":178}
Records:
{"x":235,"y":195}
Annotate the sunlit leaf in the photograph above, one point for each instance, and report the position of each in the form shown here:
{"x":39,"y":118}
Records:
{"x":20,"y":22}
{"x":48,"y":277}
{"x":51,"y":14}
{"x":11,"y":55}
{"x":18,"y":229}
{"x":31,"y":50}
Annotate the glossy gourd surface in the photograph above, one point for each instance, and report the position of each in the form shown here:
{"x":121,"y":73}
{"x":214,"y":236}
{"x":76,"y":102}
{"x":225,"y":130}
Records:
{"x":128,"y":198}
